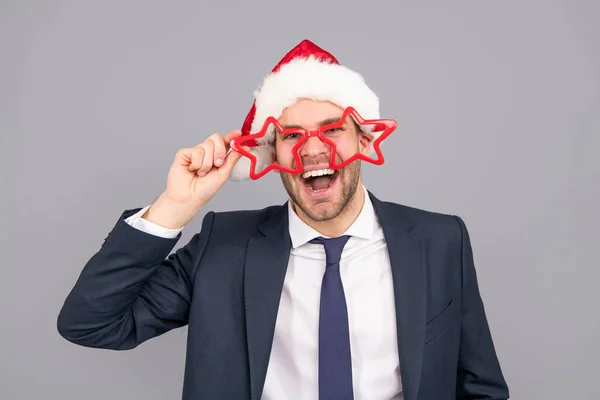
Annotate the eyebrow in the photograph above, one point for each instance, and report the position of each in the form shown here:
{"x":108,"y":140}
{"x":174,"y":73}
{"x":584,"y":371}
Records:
{"x":323,"y":122}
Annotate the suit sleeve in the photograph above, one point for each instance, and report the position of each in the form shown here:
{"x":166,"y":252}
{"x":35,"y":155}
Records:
{"x":479,"y":372}
{"x":132,"y":289}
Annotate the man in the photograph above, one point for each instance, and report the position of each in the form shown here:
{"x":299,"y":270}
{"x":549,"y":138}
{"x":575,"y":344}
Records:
{"x":334,"y":295}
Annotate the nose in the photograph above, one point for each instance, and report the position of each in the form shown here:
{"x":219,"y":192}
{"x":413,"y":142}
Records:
{"x":313,"y":147}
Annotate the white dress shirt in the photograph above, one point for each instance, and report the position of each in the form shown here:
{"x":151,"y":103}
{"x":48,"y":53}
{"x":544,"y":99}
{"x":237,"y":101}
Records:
{"x":366,"y":275}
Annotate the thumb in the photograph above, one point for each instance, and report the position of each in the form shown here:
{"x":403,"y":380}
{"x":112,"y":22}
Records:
{"x":231,"y":159}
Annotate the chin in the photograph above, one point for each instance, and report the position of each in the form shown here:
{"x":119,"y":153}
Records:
{"x":327,"y":202}
{"x":320,"y":211}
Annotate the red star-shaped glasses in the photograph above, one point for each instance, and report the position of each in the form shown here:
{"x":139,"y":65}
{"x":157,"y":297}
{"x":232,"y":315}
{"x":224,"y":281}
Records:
{"x":387,"y":126}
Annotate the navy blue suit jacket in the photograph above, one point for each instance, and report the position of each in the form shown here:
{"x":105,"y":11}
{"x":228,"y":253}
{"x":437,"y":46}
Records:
{"x":225,"y":285}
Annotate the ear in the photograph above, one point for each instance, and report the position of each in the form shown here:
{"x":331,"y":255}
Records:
{"x":364,"y":137}
{"x":364,"y":142}
{"x":274,"y":157}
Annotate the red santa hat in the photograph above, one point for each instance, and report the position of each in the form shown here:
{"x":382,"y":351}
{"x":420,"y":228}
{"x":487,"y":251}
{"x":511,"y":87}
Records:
{"x":307,"y":71}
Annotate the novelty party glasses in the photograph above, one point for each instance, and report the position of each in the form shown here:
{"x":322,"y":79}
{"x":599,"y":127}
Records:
{"x":378,"y":128}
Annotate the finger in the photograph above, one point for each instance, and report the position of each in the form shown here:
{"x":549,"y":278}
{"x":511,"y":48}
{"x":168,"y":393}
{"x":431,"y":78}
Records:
{"x":231,"y":160}
{"x":233,"y":134}
{"x":220,"y":150}
{"x":230,"y":136}
{"x":197,"y":157}
{"x":207,"y":161}
{"x":183,"y":157}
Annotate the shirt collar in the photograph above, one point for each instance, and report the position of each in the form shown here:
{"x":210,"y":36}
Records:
{"x":363,"y":227}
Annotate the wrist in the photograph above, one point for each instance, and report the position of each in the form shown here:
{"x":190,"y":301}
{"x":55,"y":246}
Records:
{"x":169,"y":214}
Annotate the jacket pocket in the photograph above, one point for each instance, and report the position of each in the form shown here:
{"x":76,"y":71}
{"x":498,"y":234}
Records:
{"x":438,"y":324}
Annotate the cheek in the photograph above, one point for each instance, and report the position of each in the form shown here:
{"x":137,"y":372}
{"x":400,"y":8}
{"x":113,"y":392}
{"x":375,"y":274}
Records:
{"x":283,"y":156}
{"x":346,"y":148}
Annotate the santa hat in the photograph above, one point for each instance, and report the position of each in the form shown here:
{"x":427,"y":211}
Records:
{"x":306,"y":71}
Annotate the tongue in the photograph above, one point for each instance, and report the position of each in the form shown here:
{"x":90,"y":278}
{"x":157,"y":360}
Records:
{"x":320,"y":182}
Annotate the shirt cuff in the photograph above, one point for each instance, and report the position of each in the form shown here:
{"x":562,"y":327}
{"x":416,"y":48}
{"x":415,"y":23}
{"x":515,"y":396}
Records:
{"x":144,"y":225}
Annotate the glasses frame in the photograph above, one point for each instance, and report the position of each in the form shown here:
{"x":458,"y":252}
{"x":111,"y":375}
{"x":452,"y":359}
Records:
{"x":385,"y":125}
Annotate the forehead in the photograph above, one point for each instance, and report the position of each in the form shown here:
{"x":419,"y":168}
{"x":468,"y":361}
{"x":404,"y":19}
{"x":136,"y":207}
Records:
{"x":309,"y":113}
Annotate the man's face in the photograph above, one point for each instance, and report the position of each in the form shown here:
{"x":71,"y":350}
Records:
{"x":324,"y":196}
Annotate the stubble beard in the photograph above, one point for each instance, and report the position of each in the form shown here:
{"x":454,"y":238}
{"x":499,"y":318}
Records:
{"x":349,"y":177}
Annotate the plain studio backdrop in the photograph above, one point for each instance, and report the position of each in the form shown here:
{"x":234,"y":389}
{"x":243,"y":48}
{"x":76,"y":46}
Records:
{"x":498,"y":110}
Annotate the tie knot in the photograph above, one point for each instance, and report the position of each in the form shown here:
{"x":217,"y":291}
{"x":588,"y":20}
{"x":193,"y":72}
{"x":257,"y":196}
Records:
{"x":333,"y":247}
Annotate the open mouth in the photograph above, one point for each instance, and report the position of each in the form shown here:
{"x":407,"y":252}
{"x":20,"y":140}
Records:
{"x":319,"y":180}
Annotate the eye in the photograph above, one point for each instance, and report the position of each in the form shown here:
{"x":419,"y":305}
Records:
{"x":333,"y":131}
{"x":291,"y":136}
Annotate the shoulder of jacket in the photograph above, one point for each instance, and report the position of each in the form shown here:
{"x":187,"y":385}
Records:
{"x":427,"y":222}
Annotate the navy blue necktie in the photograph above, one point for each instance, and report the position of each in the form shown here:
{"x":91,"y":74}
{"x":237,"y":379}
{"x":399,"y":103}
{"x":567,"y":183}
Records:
{"x":335,"y":362}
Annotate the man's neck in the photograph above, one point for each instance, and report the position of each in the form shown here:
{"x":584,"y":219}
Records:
{"x":338,"y":225}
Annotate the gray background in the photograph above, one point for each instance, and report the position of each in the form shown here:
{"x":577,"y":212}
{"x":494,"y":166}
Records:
{"x":498,"y":108}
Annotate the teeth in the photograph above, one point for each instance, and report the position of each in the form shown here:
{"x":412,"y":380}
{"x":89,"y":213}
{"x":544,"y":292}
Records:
{"x":318,"y":172}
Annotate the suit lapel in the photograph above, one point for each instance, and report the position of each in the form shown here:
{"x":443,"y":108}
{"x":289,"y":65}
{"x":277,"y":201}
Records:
{"x":266,"y":264}
{"x":408,"y":270}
